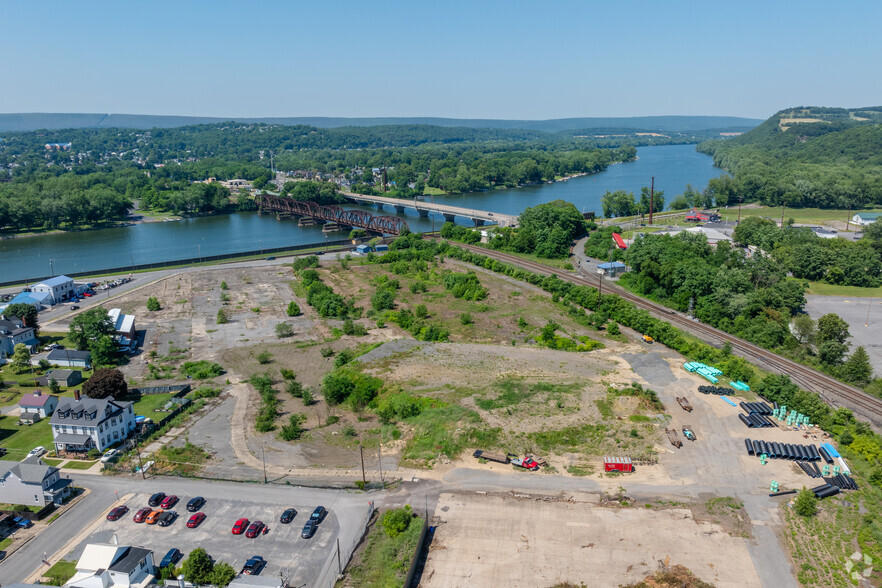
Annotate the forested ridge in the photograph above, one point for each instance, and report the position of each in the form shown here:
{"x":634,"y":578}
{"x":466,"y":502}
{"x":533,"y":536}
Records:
{"x":807,"y":157}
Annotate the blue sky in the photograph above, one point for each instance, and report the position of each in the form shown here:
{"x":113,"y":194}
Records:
{"x":474,"y":59}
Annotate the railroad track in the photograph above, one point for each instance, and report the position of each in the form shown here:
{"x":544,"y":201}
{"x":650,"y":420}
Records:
{"x":831,"y":390}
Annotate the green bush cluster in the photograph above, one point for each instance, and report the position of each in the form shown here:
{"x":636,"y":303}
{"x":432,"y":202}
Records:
{"x":302,"y":263}
{"x":323,"y":299}
{"x":348,"y":385}
{"x":269,"y":402}
{"x":202,"y":369}
{"x":206,"y":392}
{"x":550,"y":339}
{"x":419,"y":329}
{"x":396,"y":521}
{"x":465,"y":286}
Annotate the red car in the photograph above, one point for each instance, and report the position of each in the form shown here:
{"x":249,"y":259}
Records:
{"x":116,"y":513}
{"x":254,"y":530}
{"x":196,"y":519}
{"x":141,"y":515}
{"x":169,"y":502}
{"x":240,"y":526}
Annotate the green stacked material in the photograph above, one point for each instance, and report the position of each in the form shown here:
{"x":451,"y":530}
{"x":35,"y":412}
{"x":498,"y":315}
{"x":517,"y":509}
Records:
{"x":741,"y":386}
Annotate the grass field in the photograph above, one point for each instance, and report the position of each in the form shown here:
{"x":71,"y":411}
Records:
{"x":823,"y":289}
{"x":20,"y":439}
{"x":384,"y":560}
{"x":78,"y":465}
{"x":61,"y":572}
{"x":800,"y":215}
{"x":146,"y":404}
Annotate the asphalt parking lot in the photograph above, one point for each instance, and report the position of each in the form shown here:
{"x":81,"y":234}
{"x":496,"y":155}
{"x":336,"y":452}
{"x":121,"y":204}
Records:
{"x":286,"y":552}
{"x":863,"y":315}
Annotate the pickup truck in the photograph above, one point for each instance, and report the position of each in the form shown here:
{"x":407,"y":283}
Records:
{"x":526,"y":463}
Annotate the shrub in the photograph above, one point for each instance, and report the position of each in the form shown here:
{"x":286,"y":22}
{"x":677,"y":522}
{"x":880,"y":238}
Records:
{"x":383,"y":299}
{"x":268,"y":411}
{"x":287,"y":374}
{"x":421,"y":311}
{"x":104,"y":383}
{"x":327,"y":352}
{"x":466,"y":318}
{"x":284,"y":330}
{"x":294,"y":429}
{"x":153,"y":304}
{"x":806,"y":504}
{"x":223,"y":286}
{"x":345,"y":384}
{"x":349,"y":431}
{"x":222,"y":317}
{"x":305,"y":262}
{"x":202,"y":370}
{"x":293,"y":309}
{"x":264,"y":357}
{"x":344,"y":357}
{"x":522,"y":323}
{"x":613,"y":329}
{"x":294,"y":388}
{"x":307,"y":397}
{"x":396,"y":521}
{"x":206,"y":392}
{"x":465,"y":286}
{"x":352,"y":328}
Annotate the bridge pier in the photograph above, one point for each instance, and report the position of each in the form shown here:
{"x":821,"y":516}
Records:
{"x":423,"y":213}
{"x":399,"y":209}
{"x":448,"y":217}
{"x":479,"y":222}
{"x":379,"y":205}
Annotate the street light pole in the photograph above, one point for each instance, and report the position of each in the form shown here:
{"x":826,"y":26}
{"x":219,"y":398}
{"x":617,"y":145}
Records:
{"x":52,"y":266}
{"x":263,"y":455}
{"x":869,"y":304}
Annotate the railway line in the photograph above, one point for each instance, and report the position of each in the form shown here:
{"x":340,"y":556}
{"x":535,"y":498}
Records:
{"x":832,"y":391}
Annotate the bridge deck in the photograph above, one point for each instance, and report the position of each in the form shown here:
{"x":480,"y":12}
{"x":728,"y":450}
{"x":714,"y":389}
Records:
{"x":503,"y":220}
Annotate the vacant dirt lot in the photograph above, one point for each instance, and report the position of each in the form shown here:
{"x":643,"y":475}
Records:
{"x":538,"y":543}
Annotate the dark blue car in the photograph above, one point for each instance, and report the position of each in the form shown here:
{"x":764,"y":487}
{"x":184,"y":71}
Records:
{"x":171,"y":558}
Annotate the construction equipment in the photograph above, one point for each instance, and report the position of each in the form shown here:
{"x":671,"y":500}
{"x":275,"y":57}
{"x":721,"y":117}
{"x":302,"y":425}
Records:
{"x":687,"y":432}
{"x":674,"y":438}
{"x":684,"y":403}
{"x":647,"y":338}
{"x":497,"y":457}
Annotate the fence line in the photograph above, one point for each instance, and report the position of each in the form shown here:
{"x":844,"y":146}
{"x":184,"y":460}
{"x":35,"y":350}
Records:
{"x":415,"y":560}
{"x":333,"y":567}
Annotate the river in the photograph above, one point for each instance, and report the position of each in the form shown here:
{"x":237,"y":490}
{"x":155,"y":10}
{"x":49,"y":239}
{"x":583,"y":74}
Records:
{"x":25,"y":258}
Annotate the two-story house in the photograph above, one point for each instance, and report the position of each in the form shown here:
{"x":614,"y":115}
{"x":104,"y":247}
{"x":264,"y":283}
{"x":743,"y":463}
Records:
{"x":107,"y":565}
{"x":13,"y":332}
{"x":31,"y":482}
{"x":38,"y":403}
{"x":80,"y":424}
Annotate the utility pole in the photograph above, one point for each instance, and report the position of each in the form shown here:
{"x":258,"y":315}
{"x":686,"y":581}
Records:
{"x":133,"y":261}
{"x":783,"y":205}
{"x":651,"y":198}
{"x":339,"y":564}
{"x":869,"y":304}
{"x":52,"y":267}
{"x":263,"y":455}
{"x":361,"y":452}
{"x":848,"y":218}
{"x":740,"y":198}
{"x":140,"y":463}
{"x":380,"y":461}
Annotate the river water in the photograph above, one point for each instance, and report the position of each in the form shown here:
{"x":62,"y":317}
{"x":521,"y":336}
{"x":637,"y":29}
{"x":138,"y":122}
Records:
{"x":673,"y":166}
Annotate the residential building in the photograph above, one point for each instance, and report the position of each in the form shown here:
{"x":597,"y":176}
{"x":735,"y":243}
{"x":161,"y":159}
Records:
{"x":60,"y":288}
{"x":31,"y":482}
{"x":107,"y":565}
{"x":38,"y":403}
{"x":124,"y":325}
{"x":865,"y":218}
{"x":66,"y":378}
{"x":81,"y":424}
{"x":70,"y":358}
{"x":12,"y":332}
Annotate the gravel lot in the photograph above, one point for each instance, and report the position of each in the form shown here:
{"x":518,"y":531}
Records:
{"x":854,"y":312}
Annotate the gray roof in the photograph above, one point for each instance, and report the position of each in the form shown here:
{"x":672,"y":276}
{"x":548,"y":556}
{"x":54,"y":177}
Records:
{"x":30,"y":470}
{"x":71,"y":439}
{"x":57,"y":354}
{"x":869,"y":215}
{"x":86,"y":411}
{"x":56,"y":281}
{"x":130,"y":560}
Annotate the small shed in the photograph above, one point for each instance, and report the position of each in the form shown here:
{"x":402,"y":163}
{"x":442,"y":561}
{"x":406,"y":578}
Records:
{"x":613,"y":268}
{"x":38,"y":404}
{"x":618,"y":464}
{"x":382,"y":247}
{"x":65,"y":378}
{"x":363,"y":249}
{"x":70,"y":358}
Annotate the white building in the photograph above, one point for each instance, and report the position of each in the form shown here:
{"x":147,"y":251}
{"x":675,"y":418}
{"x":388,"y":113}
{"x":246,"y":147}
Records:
{"x":31,"y":482}
{"x":865,"y":218}
{"x":81,"y":424}
{"x":60,"y":288}
{"x":105,"y":565}
{"x":124,"y":325}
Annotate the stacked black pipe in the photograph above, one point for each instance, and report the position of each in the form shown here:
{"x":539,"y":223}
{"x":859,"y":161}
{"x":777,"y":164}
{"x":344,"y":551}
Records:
{"x":810,"y":469}
{"x":756,"y":421}
{"x":826,"y":456}
{"x":825,"y":490}
{"x":775,"y":450}
{"x":756,"y":408}
{"x":718,"y":390}
{"x":842,"y":482}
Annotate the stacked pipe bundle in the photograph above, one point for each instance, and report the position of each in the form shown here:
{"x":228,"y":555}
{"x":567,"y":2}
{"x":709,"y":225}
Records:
{"x":810,"y":468}
{"x":825,"y":490}
{"x":756,"y":407}
{"x":718,"y":390}
{"x":826,"y":456}
{"x":777,"y":450}
{"x":754,"y":420}
{"x":842,"y":482}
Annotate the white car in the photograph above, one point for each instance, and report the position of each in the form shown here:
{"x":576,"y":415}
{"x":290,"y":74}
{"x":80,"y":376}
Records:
{"x":38,"y":451}
{"x":110,"y":454}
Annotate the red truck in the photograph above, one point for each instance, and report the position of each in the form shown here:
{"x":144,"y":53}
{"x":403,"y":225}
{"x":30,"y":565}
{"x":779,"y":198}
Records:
{"x":526,"y":463}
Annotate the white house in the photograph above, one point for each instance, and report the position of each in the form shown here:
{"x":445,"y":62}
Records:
{"x":80,"y":424}
{"x":38,"y":403}
{"x":60,"y":288}
{"x":124,"y":325}
{"x":106,"y":565}
{"x":31,"y":482}
{"x":865,"y":218}
{"x":13,"y":332}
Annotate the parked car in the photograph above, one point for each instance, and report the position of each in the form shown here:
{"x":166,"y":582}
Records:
{"x":156,"y":499}
{"x":74,"y":307}
{"x":319,"y":514}
{"x":37,"y":451}
{"x":270,"y":258}
{"x":110,"y":454}
{"x":240,"y":526}
{"x":288,"y":516}
{"x":196,"y":520}
{"x":253,"y":566}
{"x":116,"y":513}
{"x":153,"y":517}
{"x":142,"y":514}
{"x":171,"y":558}
{"x":309,"y":529}
{"x":195,"y":504}
{"x":254,"y":529}
{"x":169,"y":502}
{"x":167,"y":518}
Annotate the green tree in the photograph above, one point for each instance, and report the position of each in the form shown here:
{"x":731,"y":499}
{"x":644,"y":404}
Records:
{"x":657,"y":199}
{"x":806,"y":504}
{"x":804,"y":328}
{"x":876,"y":476}
{"x":397,"y":521}
{"x":857,"y":368}
{"x":21,"y":358}
{"x":106,"y":383}
{"x":382,"y":300}
{"x":832,"y":328}
{"x":222,"y":574}
{"x":153,"y":304}
{"x":421,"y":311}
{"x":223,"y":285}
{"x":89,"y":326}
{"x":222,"y":317}
{"x":27,"y":313}
{"x":293,"y":309}
{"x":104,"y":351}
{"x":54,"y":387}
{"x":618,"y":203}
{"x":197,"y":567}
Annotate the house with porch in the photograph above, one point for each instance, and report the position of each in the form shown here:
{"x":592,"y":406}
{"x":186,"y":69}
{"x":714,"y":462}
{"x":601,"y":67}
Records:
{"x":108,"y":565}
{"x":81,"y":424}
{"x":12,"y":332}
{"x":31,"y":482}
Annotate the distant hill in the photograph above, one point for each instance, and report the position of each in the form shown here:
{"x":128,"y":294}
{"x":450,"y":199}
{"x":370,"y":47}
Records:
{"x":53,"y":121}
{"x":808,"y":156}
